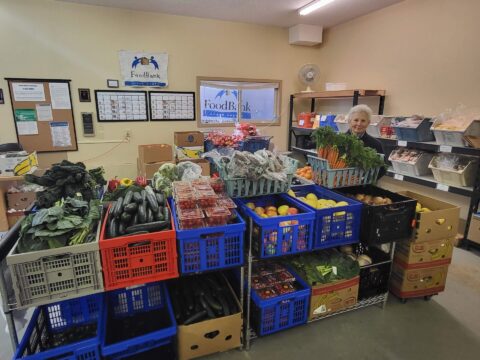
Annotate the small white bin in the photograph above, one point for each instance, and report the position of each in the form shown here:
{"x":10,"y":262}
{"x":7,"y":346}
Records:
{"x":456,"y":137}
{"x":464,"y":177}
{"x":418,"y":168}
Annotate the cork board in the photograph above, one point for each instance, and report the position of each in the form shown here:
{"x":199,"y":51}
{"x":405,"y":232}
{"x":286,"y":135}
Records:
{"x":53,"y":112}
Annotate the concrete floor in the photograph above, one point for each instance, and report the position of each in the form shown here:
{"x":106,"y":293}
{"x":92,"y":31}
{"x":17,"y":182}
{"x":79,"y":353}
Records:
{"x":447,"y":327}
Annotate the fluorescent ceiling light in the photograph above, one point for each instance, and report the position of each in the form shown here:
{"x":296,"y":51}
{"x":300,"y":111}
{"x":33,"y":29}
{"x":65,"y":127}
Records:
{"x":315,"y":5}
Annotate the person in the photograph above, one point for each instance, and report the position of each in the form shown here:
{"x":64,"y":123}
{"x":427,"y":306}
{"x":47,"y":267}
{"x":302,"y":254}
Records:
{"x":358,"y":119}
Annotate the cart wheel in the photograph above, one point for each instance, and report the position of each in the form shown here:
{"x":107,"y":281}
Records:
{"x":427,"y":298}
{"x":404,"y":301}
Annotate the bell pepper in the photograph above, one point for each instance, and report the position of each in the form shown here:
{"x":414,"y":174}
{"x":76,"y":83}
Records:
{"x":126,"y":182}
{"x":141,"y":181}
{"x":113,"y":184}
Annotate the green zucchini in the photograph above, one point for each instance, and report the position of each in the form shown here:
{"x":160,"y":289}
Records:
{"x":149,"y":215}
{"x":166,"y":214}
{"x":160,"y":199}
{"x":159,"y":214}
{"x":128,"y":198}
{"x":118,"y":207}
{"x":143,"y":194}
{"x":121,"y":228}
{"x":207,"y":307}
{"x":137,"y":197}
{"x":152,"y":200}
{"x":195,"y":317}
{"x":125,"y":217}
{"x":131,"y":208}
{"x":112,"y":207}
{"x":142,"y":213}
{"x":134,"y":220}
{"x":214,"y":304}
{"x":113,"y":228}
{"x":153,"y":226}
{"x":224,"y":303}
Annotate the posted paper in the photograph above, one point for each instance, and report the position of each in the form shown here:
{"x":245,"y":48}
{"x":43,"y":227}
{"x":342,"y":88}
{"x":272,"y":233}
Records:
{"x":26,"y":121}
{"x":60,"y":134}
{"x":44,"y":112}
{"x":28,"y":91}
{"x":60,"y":96}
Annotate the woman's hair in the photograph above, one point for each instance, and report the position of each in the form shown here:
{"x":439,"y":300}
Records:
{"x":360,"y":109}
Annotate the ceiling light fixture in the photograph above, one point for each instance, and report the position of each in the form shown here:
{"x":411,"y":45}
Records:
{"x":314,"y":5}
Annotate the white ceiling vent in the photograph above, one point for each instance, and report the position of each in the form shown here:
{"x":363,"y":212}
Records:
{"x":308,"y":35}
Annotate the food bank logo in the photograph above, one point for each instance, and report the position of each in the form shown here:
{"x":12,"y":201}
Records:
{"x":224,"y":106}
{"x":145,"y":61}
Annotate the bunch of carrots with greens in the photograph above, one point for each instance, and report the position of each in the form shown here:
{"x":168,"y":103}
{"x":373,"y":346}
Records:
{"x":344,"y":150}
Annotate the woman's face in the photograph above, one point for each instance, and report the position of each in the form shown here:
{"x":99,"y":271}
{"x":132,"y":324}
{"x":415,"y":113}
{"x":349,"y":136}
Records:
{"x":359,"y":123}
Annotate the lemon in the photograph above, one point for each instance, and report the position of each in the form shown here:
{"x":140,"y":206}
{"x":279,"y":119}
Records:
{"x":419,"y":207}
{"x":312,"y":203}
{"x":311,"y":196}
{"x":291,"y":193}
{"x":341,"y":203}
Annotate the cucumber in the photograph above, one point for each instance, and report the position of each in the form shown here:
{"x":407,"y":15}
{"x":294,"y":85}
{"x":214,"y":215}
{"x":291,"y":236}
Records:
{"x":195,"y":317}
{"x":159,"y":214}
{"x":207,"y":307}
{"x":160,"y":199}
{"x":125,"y":218}
{"x":149,"y":215}
{"x":189,"y":299}
{"x":142,"y":213}
{"x":121,"y":228}
{"x":134,"y":220}
{"x":112,"y":207}
{"x":166,"y":214}
{"x":137,"y":197}
{"x":118,"y":207}
{"x":152,"y":200}
{"x":143,"y":194}
{"x":131,"y":208}
{"x":150,"y":227}
{"x":128,"y":198}
{"x":224,"y":303}
{"x":113,"y":228}
{"x":214,"y":304}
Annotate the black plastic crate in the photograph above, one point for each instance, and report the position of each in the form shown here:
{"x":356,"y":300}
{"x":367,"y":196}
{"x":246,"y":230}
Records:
{"x":304,"y":142}
{"x":384,"y":223}
{"x":374,"y":278}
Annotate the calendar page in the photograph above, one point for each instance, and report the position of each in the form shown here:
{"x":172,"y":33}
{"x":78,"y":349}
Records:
{"x":176,"y":106}
{"x":121,"y":105}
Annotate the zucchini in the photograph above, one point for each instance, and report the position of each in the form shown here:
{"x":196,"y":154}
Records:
{"x":224,"y":303}
{"x":207,"y":307}
{"x":214,"y":304}
{"x":131,"y":208}
{"x":125,"y":217}
{"x":134,"y":220}
{"x":188,"y":296}
{"x":113,"y":228}
{"x":136,"y":233}
{"x":159,"y":214}
{"x":143,"y":194}
{"x":121,"y":228}
{"x":153,"y":226}
{"x":137,"y":198}
{"x":166,"y":214}
{"x":151,"y":199}
{"x":142,"y":213}
{"x":149,"y":215}
{"x":160,"y":199}
{"x":195,"y":317}
{"x":112,"y":207}
{"x":128,"y":198}
{"x":118,"y":207}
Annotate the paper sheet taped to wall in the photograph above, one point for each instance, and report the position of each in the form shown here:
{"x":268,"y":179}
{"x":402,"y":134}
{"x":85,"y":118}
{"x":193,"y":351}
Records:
{"x":26,"y":121}
{"x":60,"y":134}
{"x":60,"y":95}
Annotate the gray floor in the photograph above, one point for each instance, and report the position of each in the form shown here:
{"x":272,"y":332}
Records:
{"x":447,"y":327}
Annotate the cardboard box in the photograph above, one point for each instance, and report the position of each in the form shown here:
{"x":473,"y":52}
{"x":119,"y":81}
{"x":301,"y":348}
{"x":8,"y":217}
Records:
{"x":210,"y":336}
{"x":188,"y":144}
{"x":21,"y":200}
{"x":148,"y":170}
{"x":418,"y":280}
{"x":474,"y":229}
{"x":18,"y":163}
{"x":425,"y":251}
{"x":440,"y":223}
{"x":204,"y":164}
{"x":154,"y":153}
{"x":328,"y":298}
{"x":14,"y":217}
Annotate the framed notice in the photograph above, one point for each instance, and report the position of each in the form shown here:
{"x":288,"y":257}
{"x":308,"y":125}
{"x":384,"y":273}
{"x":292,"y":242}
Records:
{"x":121,"y":105}
{"x":172,"y":106}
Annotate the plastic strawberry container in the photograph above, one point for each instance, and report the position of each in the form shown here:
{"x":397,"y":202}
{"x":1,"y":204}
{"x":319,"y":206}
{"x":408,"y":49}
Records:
{"x":207,"y":199}
{"x":226,"y":202}
{"x":217,"y":216}
{"x":190,"y":218}
{"x":186,"y":200}
{"x":217,"y":185}
{"x":179,"y":186}
{"x":200,"y":183}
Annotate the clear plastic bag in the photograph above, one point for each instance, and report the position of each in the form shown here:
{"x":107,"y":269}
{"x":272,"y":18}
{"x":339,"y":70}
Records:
{"x":456,"y":119}
{"x":188,"y":171}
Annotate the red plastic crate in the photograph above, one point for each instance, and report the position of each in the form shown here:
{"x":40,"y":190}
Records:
{"x":138,"y":259}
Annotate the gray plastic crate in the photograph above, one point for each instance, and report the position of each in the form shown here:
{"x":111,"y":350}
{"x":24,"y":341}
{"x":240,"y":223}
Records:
{"x":45,"y":276}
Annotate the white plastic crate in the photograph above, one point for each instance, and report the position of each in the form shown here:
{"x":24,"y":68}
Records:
{"x":45,"y":276}
{"x":465,"y":177}
{"x":376,"y":124}
{"x":342,"y":125}
{"x":419,"y":168}
{"x":456,"y":138}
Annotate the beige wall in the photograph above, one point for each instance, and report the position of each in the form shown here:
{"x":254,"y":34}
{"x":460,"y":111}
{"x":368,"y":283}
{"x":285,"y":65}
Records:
{"x":48,"y":39}
{"x":425,"y":53}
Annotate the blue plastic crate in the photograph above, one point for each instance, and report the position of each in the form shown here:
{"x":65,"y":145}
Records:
{"x":210,"y":248}
{"x":255,"y":143}
{"x":420,"y":133}
{"x":50,"y":323}
{"x":280,"y":235}
{"x":146,"y":306}
{"x":333,"y":226}
{"x":328,"y":120}
{"x":281,"y":312}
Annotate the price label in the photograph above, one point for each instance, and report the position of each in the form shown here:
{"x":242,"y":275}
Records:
{"x":445,"y":148}
{"x":401,"y":143}
{"x":399,"y":177}
{"x":442,"y":187}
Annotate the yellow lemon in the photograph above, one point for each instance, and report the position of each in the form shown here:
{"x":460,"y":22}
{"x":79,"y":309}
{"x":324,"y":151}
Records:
{"x":311,"y":196}
{"x":291,"y":193}
{"x":312,"y":203}
{"x":341,"y":203}
{"x":283,"y":210}
{"x":251,"y":205}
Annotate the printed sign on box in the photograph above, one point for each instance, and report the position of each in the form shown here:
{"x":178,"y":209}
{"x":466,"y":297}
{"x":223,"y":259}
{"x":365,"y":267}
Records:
{"x":143,"y":68}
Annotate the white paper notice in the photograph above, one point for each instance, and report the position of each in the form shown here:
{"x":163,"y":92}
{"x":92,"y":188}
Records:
{"x":28,"y":92}
{"x":60,"y":134}
{"x":44,"y":112}
{"x":60,"y":95}
{"x":27,"y":127}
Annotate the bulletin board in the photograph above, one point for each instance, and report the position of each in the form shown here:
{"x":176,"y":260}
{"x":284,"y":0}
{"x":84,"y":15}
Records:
{"x":43,"y":114}
{"x":172,"y":105}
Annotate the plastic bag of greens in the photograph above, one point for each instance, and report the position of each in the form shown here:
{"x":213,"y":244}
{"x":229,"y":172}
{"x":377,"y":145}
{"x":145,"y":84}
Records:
{"x":188,"y":171}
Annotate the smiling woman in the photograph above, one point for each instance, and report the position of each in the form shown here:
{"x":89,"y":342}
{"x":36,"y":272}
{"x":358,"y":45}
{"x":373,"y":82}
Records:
{"x":220,"y":100}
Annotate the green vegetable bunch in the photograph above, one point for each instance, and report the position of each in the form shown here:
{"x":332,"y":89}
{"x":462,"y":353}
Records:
{"x":68,"y":222}
{"x":163,"y":178}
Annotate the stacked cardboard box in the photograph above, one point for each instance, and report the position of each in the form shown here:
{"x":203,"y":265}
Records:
{"x":189,"y":147}
{"x":474,"y":229}
{"x":420,"y":266}
{"x":151,"y":157}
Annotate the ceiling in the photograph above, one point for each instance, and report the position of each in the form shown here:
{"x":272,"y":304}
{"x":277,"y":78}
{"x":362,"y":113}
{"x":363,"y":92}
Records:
{"x":282,"y":13}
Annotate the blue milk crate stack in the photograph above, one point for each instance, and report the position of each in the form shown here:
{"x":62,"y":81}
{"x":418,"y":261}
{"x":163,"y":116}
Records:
{"x":334,"y":226}
{"x":280,"y":235}
{"x":67,"y":330}
{"x":136,"y":320}
{"x":210,"y":248}
{"x":283,"y":311}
